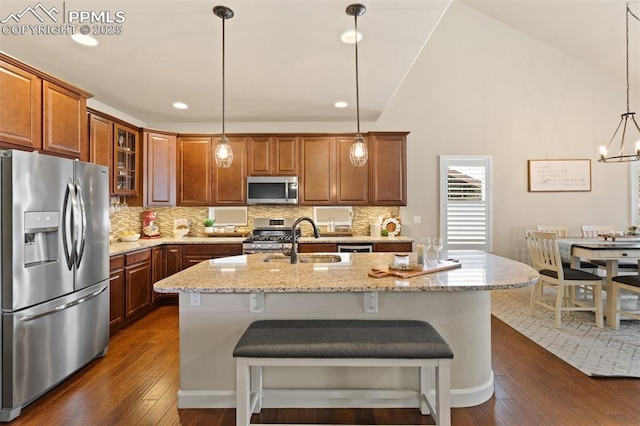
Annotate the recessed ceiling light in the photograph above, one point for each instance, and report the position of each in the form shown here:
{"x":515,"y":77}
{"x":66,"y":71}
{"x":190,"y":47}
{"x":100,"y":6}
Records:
{"x":349,"y":37}
{"x":180,"y":105}
{"x":85,"y":40}
{"x":340,"y":104}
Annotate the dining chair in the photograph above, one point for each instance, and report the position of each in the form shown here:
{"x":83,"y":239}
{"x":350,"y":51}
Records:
{"x":561,"y":231}
{"x":593,"y":231}
{"x":627,"y":283}
{"x":546,"y":260}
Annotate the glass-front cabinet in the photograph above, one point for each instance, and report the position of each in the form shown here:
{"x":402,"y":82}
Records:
{"x":125,"y":155}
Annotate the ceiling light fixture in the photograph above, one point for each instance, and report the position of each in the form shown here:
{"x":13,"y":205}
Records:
{"x":224,"y":153}
{"x":624,"y":119}
{"x":358,"y":153}
{"x":341,"y":104}
{"x":85,"y":40}
{"x":180,"y":105}
{"x":349,"y":37}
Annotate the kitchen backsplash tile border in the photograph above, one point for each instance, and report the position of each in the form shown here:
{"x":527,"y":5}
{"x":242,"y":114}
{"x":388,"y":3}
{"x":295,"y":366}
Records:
{"x":130,"y":218}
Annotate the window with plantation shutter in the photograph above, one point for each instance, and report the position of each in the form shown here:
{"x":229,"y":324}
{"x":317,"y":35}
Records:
{"x":466,"y":202}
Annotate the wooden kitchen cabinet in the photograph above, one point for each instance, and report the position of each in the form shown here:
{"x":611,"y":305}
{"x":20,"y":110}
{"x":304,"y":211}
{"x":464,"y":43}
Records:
{"x":194,"y":171}
{"x":388,"y":169}
{"x":193,"y":254}
{"x":272,"y":156}
{"x":351,"y":182}
{"x":126,"y":159}
{"x":391,"y":247}
{"x":64,"y":124}
{"x":159,"y":183}
{"x":100,"y":140}
{"x":328,"y":177}
{"x":137,"y":282}
{"x":317,"y":248}
{"x":116,"y":292}
{"x":318,"y":170}
{"x":21,"y":111}
{"x":230,"y":184}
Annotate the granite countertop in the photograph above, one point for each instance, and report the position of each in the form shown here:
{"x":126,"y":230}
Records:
{"x":123,"y":247}
{"x":250,"y":274}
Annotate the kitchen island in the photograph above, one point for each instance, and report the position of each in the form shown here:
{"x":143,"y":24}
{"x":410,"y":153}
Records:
{"x":219,"y":298}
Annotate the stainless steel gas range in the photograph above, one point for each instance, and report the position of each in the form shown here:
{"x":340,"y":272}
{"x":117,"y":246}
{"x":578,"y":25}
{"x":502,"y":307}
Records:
{"x":270,"y":236}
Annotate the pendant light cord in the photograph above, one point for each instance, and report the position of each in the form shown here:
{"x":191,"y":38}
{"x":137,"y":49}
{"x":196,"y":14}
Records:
{"x":629,"y":12}
{"x":223,"y":133}
{"x":355,"y":17}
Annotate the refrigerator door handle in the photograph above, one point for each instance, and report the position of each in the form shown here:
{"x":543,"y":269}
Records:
{"x":82,"y":224}
{"x":67,"y":223}
{"x":64,"y":306}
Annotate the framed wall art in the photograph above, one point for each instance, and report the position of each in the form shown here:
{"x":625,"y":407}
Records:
{"x":559,"y":175}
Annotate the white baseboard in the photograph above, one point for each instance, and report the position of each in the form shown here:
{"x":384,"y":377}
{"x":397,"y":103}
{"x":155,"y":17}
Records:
{"x":333,"y":398}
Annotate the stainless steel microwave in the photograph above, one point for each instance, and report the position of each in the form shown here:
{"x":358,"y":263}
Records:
{"x":272,"y":190}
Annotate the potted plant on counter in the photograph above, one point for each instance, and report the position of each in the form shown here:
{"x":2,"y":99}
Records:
{"x":208,"y":225}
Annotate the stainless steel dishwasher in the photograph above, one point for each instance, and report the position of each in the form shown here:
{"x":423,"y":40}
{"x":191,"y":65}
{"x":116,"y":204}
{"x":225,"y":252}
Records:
{"x":355,"y":248}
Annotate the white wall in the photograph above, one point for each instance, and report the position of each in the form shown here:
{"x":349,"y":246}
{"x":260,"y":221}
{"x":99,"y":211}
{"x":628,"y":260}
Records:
{"x":480,"y":87}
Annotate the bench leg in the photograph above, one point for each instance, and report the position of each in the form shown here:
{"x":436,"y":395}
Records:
{"x":423,"y":395}
{"x":256,"y":388}
{"x":443,"y":392}
{"x":243,"y":393}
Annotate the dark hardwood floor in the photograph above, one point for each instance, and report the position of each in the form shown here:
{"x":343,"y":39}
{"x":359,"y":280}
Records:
{"x":137,"y":384}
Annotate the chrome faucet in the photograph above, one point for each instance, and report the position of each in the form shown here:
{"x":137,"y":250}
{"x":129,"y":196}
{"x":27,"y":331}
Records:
{"x":294,"y":244}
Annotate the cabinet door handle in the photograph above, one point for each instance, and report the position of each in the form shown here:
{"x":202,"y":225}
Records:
{"x":173,"y":251}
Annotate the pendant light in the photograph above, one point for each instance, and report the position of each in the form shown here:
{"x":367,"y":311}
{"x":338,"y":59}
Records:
{"x":224,"y":153}
{"x":625,"y":118}
{"x":358,"y":153}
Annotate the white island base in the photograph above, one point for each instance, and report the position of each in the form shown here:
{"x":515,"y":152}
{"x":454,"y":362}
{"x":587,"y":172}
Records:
{"x":210,"y":330}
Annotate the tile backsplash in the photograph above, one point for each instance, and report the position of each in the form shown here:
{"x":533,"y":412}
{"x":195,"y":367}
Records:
{"x":130,"y":218}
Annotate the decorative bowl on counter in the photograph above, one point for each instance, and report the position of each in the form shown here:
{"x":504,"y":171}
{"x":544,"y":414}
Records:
{"x":180,"y":232}
{"x":129,"y":237}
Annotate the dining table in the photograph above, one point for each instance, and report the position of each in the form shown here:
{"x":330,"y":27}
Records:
{"x":610,"y":252}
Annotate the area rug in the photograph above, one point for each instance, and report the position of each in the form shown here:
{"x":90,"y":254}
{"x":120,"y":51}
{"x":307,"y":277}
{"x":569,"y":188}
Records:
{"x":596,"y":352}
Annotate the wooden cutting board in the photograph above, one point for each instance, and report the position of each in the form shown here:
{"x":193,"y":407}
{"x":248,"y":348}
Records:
{"x":443,"y":265}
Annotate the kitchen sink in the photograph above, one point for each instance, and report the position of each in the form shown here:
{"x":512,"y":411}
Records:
{"x":304,"y":258}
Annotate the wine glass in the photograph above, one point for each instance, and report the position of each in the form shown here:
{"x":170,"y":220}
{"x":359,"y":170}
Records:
{"x":423,"y":250}
{"x":438,"y":244}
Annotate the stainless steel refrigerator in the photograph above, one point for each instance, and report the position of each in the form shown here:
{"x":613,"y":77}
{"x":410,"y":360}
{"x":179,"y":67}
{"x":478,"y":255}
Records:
{"x":54,"y":242}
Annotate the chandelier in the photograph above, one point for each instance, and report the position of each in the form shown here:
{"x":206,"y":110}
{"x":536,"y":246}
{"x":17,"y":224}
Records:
{"x":628,"y":118}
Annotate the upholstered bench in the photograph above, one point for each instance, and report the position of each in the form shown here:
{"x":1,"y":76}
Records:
{"x":343,"y":343}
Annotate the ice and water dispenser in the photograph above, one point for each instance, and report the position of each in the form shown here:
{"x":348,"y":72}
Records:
{"x":40,"y":237}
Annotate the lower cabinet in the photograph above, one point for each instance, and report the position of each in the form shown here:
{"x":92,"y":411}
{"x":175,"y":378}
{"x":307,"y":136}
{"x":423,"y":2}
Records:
{"x":317,"y":248}
{"x":166,"y":260}
{"x":116,"y":292}
{"x":399,"y":247}
{"x":130,"y":287}
{"x":193,"y":254}
{"x":333,"y":248}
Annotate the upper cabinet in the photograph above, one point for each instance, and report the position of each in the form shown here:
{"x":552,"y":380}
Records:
{"x":194,"y":168}
{"x":328,"y":177}
{"x":64,"y":129}
{"x":100,"y":140}
{"x":126,"y":159}
{"x":351,"y":181}
{"x":159,"y":183}
{"x":318,"y":165}
{"x":388,"y":169}
{"x":21,"y":123}
{"x":230,"y":184}
{"x":41,"y":112}
{"x":272,"y":155}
